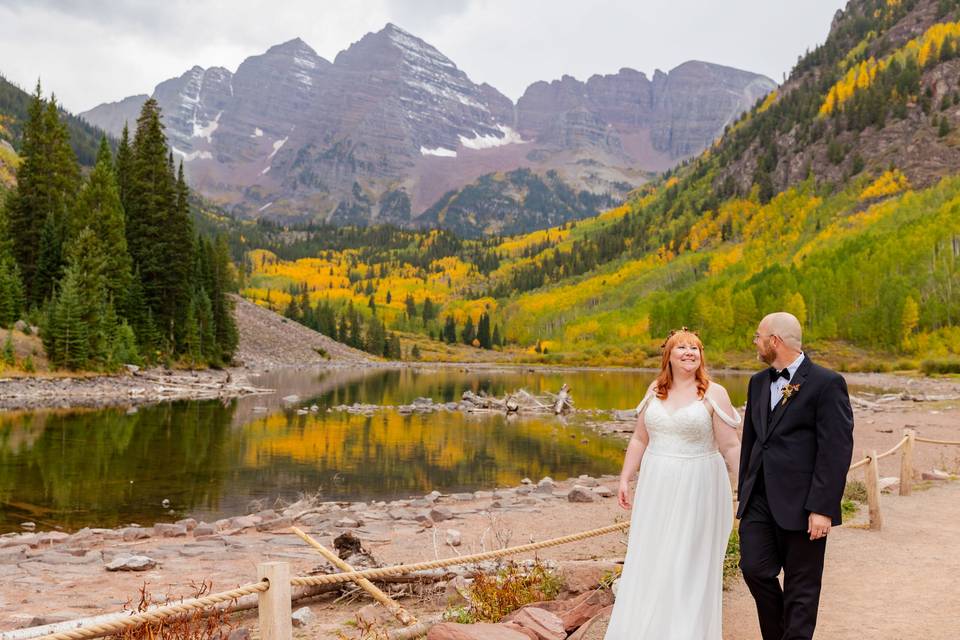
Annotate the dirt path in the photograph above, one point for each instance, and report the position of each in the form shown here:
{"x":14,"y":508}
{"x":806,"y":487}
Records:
{"x":900,"y":583}
{"x":896,"y":584}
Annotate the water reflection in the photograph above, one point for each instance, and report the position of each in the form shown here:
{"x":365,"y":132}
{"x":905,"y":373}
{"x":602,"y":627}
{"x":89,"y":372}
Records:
{"x":110,"y":467}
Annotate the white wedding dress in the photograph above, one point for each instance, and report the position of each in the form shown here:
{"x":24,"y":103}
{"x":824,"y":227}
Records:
{"x":672,"y":582}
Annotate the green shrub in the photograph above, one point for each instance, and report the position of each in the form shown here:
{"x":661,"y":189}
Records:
{"x":940,"y":366}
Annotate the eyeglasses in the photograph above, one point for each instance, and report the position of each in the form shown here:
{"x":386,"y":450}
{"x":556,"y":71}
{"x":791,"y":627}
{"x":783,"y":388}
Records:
{"x":757,"y":336}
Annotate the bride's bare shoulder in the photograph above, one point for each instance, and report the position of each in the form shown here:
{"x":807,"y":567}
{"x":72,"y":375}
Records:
{"x":717,"y":392}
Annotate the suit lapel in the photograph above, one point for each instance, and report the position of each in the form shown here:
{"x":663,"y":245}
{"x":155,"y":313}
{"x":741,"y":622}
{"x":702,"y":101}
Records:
{"x":764,"y":407}
{"x":783,"y":406}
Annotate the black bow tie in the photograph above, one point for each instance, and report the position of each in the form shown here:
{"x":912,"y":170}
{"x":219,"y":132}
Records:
{"x":783,"y":373}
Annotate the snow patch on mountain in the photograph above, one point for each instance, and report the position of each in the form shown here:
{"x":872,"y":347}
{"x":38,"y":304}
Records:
{"x":207,"y":131}
{"x":193,"y":155}
{"x":257,"y":133}
{"x":439,"y":151}
{"x":276,"y":147}
{"x":490,"y":141}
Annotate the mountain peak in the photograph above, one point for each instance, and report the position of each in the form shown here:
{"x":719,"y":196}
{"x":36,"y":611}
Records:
{"x":292,"y":47}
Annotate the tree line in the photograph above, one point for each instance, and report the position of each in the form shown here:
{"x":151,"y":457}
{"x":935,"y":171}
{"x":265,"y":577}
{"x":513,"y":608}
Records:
{"x":109,"y":263}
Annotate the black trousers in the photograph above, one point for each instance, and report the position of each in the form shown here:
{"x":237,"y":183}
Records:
{"x":788,"y":613}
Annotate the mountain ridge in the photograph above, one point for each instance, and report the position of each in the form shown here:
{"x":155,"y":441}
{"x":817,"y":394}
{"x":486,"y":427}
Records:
{"x":293,"y":136}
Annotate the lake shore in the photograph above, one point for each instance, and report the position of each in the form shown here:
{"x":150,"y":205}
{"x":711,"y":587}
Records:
{"x":51,"y":575}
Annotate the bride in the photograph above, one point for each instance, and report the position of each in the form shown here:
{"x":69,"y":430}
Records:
{"x":672,"y":582}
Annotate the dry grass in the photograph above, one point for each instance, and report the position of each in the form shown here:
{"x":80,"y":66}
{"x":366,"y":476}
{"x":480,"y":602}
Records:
{"x":191,"y":626}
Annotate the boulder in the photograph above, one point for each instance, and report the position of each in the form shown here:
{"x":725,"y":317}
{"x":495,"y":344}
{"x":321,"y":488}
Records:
{"x":457,"y":592}
{"x":166,"y":530}
{"x":51,"y":537}
{"x":584,"y":575}
{"x":527,"y":632}
{"x":189,"y":523}
{"x":203,"y":529}
{"x":131,"y":563}
{"x":936,"y":474}
{"x":453,"y":538}
{"x":546,"y":625}
{"x":587,"y":481}
{"x":302,"y":617}
{"x":479,"y":631}
{"x":439,"y":514}
{"x":274,"y":524}
{"x":581,"y":494}
{"x":372,"y":614}
{"x":346,"y":523}
{"x":130,"y":534}
{"x":603,"y":491}
{"x":594,"y":628}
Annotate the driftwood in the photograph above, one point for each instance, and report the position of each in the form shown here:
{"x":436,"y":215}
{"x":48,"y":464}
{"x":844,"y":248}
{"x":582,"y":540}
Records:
{"x":520,"y":401}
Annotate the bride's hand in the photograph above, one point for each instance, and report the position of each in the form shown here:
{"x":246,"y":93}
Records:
{"x":623,"y":494}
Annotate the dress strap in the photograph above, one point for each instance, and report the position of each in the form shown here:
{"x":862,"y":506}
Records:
{"x":646,"y":400}
{"x":733,"y":421}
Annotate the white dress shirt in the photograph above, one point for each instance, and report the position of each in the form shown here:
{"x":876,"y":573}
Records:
{"x":776,"y":387}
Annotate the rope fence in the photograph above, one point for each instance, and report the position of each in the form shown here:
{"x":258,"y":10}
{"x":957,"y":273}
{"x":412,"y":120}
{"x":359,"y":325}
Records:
{"x":274,"y":586}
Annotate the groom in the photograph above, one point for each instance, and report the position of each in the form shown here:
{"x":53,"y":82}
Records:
{"x":796,"y":449}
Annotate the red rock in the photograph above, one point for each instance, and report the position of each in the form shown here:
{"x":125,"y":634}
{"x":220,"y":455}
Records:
{"x":595,"y":627}
{"x":479,"y":631}
{"x":547,"y":626}
{"x":527,"y":632}
{"x":584,"y":575}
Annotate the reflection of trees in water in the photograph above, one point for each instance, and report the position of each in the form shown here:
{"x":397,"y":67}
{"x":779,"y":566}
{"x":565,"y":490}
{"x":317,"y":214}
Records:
{"x":388,"y":454}
{"x":75,"y":468}
{"x":105,"y":467}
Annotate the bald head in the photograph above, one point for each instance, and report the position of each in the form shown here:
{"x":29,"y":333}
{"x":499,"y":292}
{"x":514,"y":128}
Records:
{"x":785,"y":326}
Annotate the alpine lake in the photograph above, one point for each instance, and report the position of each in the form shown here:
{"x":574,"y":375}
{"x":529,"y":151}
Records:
{"x":68,"y":469}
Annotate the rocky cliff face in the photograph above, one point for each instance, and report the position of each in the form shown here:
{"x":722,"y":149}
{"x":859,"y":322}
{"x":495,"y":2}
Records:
{"x":392,"y":124}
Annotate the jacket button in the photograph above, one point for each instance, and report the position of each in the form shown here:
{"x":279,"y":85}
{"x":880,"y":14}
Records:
{"x":766,"y":446}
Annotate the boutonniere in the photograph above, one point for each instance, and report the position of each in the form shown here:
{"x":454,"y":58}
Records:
{"x":789,"y":390}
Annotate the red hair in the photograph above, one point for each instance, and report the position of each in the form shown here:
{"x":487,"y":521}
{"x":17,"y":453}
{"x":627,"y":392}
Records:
{"x":665,"y":378}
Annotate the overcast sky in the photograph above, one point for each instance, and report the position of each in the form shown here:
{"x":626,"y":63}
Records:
{"x":93,"y":51}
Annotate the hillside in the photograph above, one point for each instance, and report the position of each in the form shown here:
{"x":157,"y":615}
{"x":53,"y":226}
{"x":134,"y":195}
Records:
{"x":865,"y":250}
{"x":14,"y":102}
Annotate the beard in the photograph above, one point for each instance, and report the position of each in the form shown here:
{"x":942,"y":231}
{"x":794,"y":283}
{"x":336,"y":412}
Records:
{"x":765,"y":354}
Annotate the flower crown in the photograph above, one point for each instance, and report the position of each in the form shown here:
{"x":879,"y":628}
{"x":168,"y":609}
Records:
{"x":674,"y":332}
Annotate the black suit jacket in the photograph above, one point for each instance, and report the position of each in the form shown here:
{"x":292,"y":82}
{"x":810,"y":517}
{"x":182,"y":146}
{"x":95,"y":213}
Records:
{"x":804,"y":449}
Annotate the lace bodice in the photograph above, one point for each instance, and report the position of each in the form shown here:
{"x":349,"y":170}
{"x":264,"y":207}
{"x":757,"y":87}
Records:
{"x":687,"y":431}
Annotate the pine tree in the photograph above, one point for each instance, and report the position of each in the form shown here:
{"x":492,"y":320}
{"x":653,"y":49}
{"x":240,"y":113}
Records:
{"x":99,"y":209}
{"x":429,"y":313}
{"x":159,"y":232}
{"x":411,"y":306}
{"x":123,"y":168}
{"x":496,"y":340}
{"x":389,"y":297}
{"x":11,"y":292}
{"x":69,"y":332}
{"x":47,"y":183}
{"x":376,"y":338}
{"x":225,"y":334}
{"x":450,"y":330}
{"x":483,"y":331}
{"x":469,"y":332}
{"x":394,"y":348}
{"x":415,"y":352}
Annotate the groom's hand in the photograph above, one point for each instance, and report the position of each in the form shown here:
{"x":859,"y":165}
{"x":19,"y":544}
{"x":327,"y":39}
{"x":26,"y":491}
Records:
{"x":818,"y":526}
{"x":623,"y":494}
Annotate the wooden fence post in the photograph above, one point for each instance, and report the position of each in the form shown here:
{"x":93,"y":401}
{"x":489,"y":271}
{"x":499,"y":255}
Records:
{"x":906,"y":463}
{"x":873,"y":490}
{"x":274,"y":603}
